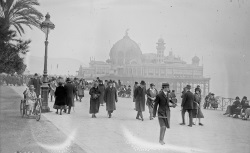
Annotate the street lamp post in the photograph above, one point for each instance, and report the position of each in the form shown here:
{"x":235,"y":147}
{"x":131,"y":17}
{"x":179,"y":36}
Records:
{"x":46,"y":26}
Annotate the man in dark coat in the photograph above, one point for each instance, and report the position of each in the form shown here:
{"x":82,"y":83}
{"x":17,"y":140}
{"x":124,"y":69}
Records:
{"x":163,"y":99}
{"x":110,"y":97}
{"x":139,"y":95}
{"x":187,"y":105}
{"x":36,"y":82}
{"x":94,"y":99}
{"x":101,"y":87}
{"x":71,"y":90}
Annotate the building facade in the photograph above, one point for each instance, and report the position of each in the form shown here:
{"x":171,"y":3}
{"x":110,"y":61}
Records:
{"x":128,"y":64}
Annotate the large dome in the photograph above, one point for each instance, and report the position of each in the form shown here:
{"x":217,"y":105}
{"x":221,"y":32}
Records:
{"x":125,"y":51}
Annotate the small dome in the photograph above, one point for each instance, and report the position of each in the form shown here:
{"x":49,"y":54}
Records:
{"x":160,"y":40}
{"x":196,"y":59}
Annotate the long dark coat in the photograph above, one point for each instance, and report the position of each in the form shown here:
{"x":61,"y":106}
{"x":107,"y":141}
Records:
{"x":188,"y":100}
{"x":163,"y":110}
{"x":139,"y":95}
{"x":110,"y":97}
{"x":94,"y":101}
{"x":60,"y":95}
{"x":101,"y":87}
{"x":135,"y":86}
{"x":71,"y":91}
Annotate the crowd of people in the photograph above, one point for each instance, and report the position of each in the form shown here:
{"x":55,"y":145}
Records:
{"x":66,"y":91}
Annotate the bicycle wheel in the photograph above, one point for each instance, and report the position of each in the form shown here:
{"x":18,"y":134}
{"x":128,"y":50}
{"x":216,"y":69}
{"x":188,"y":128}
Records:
{"x":38,"y":111}
{"x":22,"y":108}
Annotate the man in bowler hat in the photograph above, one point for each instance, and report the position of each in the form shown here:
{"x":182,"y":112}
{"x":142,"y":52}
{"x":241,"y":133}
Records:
{"x":163,"y":100}
{"x":187,"y":105}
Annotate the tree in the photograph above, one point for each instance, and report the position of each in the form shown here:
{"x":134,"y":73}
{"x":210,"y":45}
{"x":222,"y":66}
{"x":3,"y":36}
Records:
{"x":10,"y":51}
{"x":20,"y":12}
{"x":13,"y":15}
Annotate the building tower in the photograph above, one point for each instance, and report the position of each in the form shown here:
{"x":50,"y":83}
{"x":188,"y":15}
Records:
{"x":195,"y":61}
{"x":160,"y":50}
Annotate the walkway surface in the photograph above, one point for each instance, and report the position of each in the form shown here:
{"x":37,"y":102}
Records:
{"x":26,"y":135}
{"x":123,"y":133}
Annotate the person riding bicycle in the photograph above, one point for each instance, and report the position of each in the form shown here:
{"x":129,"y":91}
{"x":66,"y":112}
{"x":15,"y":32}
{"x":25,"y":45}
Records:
{"x":30,"y":96}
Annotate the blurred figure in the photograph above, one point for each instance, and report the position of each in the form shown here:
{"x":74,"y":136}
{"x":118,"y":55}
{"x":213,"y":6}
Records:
{"x":196,"y":107}
{"x":110,"y":97}
{"x":187,"y":105}
{"x":81,"y":88}
{"x":135,"y":86}
{"x":53,"y":85}
{"x":30,"y":96}
{"x":36,"y":82}
{"x":139,"y":95}
{"x":101,"y":88}
{"x":71,"y":91}
{"x":151,"y":95}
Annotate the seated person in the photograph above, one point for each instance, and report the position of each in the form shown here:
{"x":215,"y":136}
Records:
{"x":244,"y":99}
{"x":213,"y":101}
{"x":207,"y":101}
{"x":30,"y":96}
{"x":236,"y":108}
{"x":229,"y":107}
{"x":128,"y":91}
{"x":243,"y":110}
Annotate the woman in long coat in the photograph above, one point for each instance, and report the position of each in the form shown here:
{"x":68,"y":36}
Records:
{"x":101,"y":87}
{"x":94,"y":99}
{"x":196,"y":112}
{"x":60,"y":94}
{"x":139,"y":95}
{"x":110,"y":97}
{"x":80,"y":89}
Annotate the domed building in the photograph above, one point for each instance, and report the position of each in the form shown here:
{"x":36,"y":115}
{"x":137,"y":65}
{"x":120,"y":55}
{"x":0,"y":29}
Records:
{"x":128,"y":64}
{"x":125,"y":51}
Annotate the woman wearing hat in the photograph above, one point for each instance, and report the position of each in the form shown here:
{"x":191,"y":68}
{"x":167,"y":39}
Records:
{"x":139,"y":95}
{"x":30,"y":96}
{"x":101,"y":88}
{"x":197,"y":108}
{"x":151,"y":95}
{"x":60,"y":94}
{"x":94,"y":99}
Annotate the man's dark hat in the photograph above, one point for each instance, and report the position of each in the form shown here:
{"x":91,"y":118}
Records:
{"x":245,"y":97}
{"x":36,"y":74}
{"x":165,"y":85}
{"x":68,"y":80}
{"x":237,"y":98}
{"x":136,"y":82}
{"x":188,"y":86}
{"x":143,"y":82}
{"x":151,"y":84}
{"x":129,"y":86}
{"x":173,"y":90}
{"x":198,"y":86}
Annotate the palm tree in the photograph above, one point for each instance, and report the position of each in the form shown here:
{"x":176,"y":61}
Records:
{"x":17,"y":13}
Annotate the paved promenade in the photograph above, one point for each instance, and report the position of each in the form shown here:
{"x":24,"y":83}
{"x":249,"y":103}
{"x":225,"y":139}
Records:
{"x":123,"y":133}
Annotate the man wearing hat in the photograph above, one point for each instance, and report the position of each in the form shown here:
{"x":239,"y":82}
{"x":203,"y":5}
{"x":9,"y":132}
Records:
{"x":234,"y":108}
{"x":135,"y":86}
{"x":151,"y":95}
{"x":163,"y":99}
{"x":70,"y":90}
{"x":187,"y":105}
{"x":36,"y":82}
{"x":139,"y":95}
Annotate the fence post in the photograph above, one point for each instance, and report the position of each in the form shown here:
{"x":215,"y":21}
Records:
{"x":222,"y":103}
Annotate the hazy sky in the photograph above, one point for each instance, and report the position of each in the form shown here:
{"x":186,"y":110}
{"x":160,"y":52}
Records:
{"x":216,"y":30}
